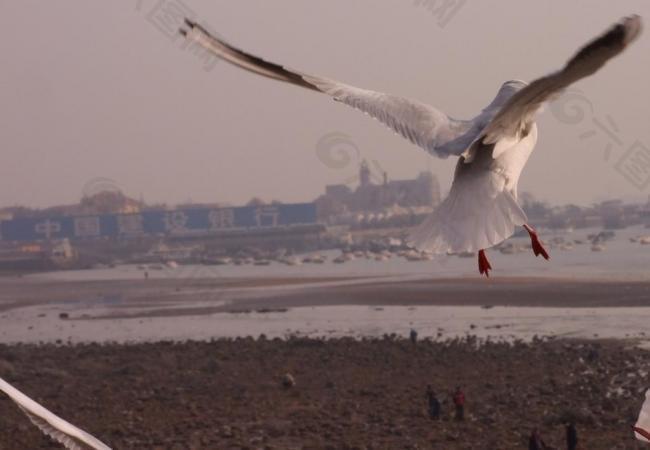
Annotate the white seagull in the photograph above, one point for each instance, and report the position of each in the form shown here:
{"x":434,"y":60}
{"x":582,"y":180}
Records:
{"x":493,"y":147}
{"x":65,"y":433}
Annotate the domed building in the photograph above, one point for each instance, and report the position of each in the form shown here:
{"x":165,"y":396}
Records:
{"x":422,"y":191}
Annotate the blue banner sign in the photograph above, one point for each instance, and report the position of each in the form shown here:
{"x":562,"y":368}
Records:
{"x":173,"y":222}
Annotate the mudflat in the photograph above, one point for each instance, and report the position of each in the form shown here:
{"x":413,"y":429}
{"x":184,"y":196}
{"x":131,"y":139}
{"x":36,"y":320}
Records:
{"x":229,"y":294}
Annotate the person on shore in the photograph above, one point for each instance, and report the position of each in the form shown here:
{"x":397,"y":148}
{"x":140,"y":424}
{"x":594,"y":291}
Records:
{"x":571,"y":436}
{"x":414,"y":336}
{"x":434,"y":404}
{"x":459,"y":403}
{"x":535,"y":441}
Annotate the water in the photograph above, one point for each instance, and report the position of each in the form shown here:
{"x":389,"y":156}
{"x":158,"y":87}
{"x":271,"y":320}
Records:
{"x":36,"y":324}
{"x":621,"y":259}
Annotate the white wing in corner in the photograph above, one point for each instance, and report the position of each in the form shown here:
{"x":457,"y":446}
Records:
{"x":642,"y":426}
{"x":52,"y":425}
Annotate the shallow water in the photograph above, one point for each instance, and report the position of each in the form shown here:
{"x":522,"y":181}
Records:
{"x":621,"y":259}
{"x":41,"y":323}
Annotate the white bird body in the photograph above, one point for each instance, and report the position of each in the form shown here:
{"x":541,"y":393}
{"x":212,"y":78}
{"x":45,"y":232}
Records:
{"x":481,"y":209}
{"x":493,"y":147}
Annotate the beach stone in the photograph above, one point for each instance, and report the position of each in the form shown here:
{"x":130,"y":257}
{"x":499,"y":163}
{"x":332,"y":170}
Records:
{"x":288,"y":381}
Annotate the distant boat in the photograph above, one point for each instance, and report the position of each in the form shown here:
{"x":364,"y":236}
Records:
{"x":645,"y":240}
{"x":218,"y":261}
{"x":597,"y":248}
{"x":171,"y":264}
{"x":291,"y":261}
{"x":314,"y":259}
{"x":466,"y":254}
{"x":319,"y":259}
{"x":414,"y":256}
{"x":262,"y":262}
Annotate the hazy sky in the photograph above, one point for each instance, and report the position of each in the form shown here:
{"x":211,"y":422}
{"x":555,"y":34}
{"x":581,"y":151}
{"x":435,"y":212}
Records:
{"x":97,"y":89}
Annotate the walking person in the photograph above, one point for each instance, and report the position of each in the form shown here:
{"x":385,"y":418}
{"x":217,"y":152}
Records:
{"x":571,"y":436}
{"x":459,"y":403}
{"x":535,"y":441}
{"x":413,"y":335}
{"x":433,"y":403}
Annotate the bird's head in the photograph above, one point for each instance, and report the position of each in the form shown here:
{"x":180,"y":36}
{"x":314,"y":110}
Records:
{"x":507,"y":90}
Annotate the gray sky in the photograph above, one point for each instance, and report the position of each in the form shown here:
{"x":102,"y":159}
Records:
{"x":95,"y":89}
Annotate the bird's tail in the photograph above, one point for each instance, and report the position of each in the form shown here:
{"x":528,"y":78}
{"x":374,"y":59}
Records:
{"x":478,"y":213}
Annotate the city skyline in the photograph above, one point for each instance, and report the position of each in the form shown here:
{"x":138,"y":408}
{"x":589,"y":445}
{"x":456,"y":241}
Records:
{"x":167,"y":124}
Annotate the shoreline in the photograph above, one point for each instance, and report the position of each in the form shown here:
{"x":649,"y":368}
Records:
{"x":204,"y":309}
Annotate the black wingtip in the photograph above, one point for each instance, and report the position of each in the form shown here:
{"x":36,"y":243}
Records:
{"x":183,"y":32}
{"x":190,"y":23}
{"x":633,"y":26}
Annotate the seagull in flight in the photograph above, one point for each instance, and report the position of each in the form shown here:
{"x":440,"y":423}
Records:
{"x":63,"y":432}
{"x":481,"y":209}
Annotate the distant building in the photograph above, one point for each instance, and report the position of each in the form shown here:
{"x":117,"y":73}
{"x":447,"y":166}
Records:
{"x":423,"y":191}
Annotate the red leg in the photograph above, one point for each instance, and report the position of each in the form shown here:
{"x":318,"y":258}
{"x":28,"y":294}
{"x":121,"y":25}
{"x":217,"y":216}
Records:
{"x":483,"y":264}
{"x":538,"y":248}
{"x":642,"y":432}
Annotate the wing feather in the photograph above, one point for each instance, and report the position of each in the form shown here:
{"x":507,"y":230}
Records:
{"x":65,"y":433}
{"x":515,"y":116}
{"x":423,"y":125}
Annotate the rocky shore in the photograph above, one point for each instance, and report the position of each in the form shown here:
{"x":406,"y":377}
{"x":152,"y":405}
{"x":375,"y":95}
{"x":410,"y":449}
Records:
{"x":348,"y":394}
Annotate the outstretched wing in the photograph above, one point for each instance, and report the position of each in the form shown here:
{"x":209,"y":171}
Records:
{"x":52,"y":425}
{"x":515,"y":116}
{"x":421,"y":124}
